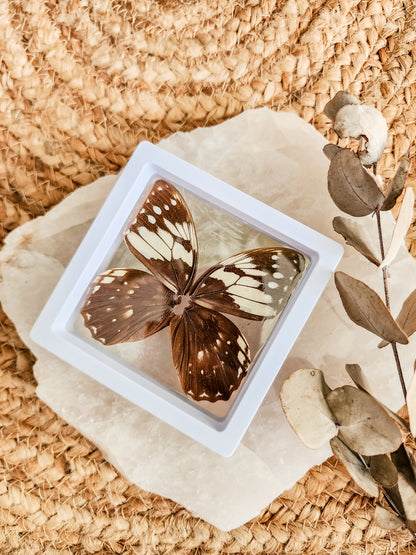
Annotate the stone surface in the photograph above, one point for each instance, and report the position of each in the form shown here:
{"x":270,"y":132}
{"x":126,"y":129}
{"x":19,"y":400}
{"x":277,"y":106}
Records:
{"x":276,"y":158}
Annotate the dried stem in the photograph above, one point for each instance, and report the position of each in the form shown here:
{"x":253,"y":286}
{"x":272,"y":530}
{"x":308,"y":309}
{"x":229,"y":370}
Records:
{"x":387,"y":296}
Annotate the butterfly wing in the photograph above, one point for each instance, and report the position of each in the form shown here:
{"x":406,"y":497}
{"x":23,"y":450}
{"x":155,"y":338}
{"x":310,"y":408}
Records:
{"x":162,"y":236}
{"x":126,"y":305}
{"x":254,"y":284}
{"x":209,"y":352}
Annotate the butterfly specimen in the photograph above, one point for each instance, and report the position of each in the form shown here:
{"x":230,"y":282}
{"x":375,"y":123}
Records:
{"x":209,"y":352}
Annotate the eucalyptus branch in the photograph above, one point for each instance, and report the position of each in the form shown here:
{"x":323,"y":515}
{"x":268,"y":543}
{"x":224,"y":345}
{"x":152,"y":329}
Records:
{"x":363,"y":433}
{"x":387,"y":296}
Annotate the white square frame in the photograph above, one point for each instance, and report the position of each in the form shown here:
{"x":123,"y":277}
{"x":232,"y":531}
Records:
{"x":54,"y":328}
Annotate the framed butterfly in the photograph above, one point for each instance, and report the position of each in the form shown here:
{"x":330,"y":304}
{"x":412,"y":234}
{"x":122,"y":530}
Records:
{"x":209,"y":352}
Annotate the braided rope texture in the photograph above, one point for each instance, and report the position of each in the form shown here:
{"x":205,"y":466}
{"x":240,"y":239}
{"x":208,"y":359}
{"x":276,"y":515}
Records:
{"x":82,"y":82}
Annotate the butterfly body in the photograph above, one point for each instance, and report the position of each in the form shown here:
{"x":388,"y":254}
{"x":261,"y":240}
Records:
{"x":209,"y":352}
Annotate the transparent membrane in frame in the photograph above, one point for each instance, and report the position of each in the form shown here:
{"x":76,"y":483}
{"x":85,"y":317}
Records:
{"x":232,"y":342}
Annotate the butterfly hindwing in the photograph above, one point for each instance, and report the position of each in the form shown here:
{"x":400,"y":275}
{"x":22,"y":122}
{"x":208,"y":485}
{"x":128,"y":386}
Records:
{"x":209,"y":352}
{"x":126,"y":305}
{"x":162,"y":236}
{"x":254,"y":284}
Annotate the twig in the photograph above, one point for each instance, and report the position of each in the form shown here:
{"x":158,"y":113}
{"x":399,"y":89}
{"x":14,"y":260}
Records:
{"x":387,"y":296}
{"x":387,"y":497}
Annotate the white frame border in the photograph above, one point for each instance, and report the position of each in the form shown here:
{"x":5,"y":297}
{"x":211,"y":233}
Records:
{"x":53,"y":329}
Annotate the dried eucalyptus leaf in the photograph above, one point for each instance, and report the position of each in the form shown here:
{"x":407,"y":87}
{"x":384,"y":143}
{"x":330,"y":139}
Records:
{"x":383,"y":471}
{"x":340,"y":100}
{"x":386,"y":519}
{"x":408,"y":495}
{"x":406,"y":318}
{"x":366,"y":123}
{"x":366,"y":309}
{"x":303,"y":401}
{"x":404,"y":220}
{"x":351,"y":233}
{"x":356,"y":374}
{"x":358,"y":377}
{"x":330,"y":150}
{"x":407,"y":315}
{"x":405,"y":463}
{"x":350,"y":185}
{"x":397,"y":184}
{"x":355,"y":466}
{"x":363,"y":423}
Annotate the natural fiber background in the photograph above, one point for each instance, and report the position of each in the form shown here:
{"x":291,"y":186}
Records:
{"x":82,"y":82}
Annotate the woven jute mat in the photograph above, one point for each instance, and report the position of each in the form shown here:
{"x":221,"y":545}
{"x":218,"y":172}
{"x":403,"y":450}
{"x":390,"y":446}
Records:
{"x":82,"y":82}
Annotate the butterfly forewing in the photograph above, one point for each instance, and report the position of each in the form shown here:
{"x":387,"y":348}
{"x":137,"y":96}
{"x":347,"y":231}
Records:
{"x":210,"y":354}
{"x":162,"y":236}
{"x":254,"y":284}
{"x":126,"y":305}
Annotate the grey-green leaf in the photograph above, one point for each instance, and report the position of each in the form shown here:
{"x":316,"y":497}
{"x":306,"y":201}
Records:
{"x":406,"y":318}
{"x":340,"y":100}
{"x":351,"y":233}
{"x":386,"y":519}
{"x":383,"y":471}
{"x":351,"y":186}
{"x":366,"y":309}
{"x":408,"y":495}
{"x":355,"y":466}
{"x":397,"y":184}
{"x":303,"y":401}
{"x":407,"y":315}
{"x":363,"y":423}
{"x":356,"y":374}
{"x":330,"y":150}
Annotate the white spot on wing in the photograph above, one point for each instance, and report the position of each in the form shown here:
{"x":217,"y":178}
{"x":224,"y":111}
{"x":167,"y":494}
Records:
{"x":171,"y":227}
{"x":128,"y":313}
{"x":228,"y":278}
{"x":250,"y":294}
{"x":179,"y":251}
{"x":166,"y":237}
{"x":157,"y":210}
{"x":248,"y":281}
{"x":118,"y":273}
{"x":253,"y":307}
{"x":156,"y":242}
{"x":256,"y":272}
{"x":151,"y":219}
{"x":241,"y":342}
{"x":201,"y":356}
{"x":142,"y":247}
{"x":241,"y":357}
{"x":183,"y":231}
{"x":273,"y":285}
